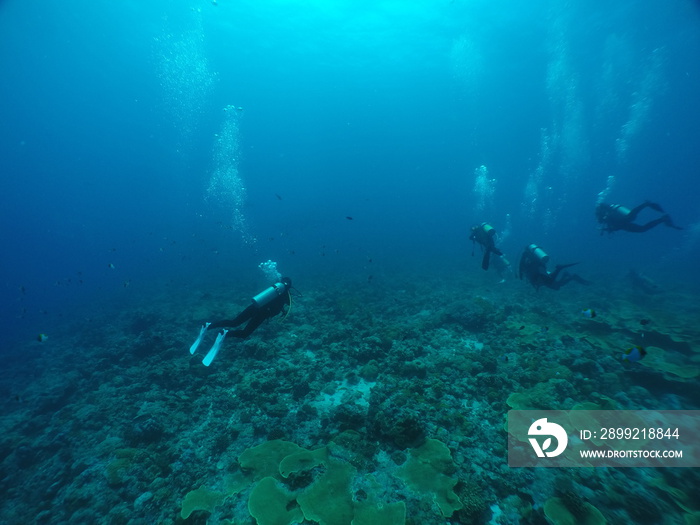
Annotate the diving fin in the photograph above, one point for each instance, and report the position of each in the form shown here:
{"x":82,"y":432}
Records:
{"x":198,"y":341}
{"x":214,"y":349}
{"x":668,"y":222}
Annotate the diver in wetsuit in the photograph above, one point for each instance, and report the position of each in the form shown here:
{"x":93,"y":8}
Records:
{"x":533,"y":267}
{"x":614,"y":217}
{"x":267,"y":304}
{"x":484,"y":234}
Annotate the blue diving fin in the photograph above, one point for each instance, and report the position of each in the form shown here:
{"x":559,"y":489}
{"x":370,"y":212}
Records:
{"x":214,"y":349}
{"x":198,"y":341}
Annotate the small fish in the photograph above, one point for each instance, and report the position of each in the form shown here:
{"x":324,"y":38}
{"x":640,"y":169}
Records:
{"x":522,"y":327}
{"x":589,"y":313}
{"x":644,"y":322}
{"x":278,"y":196}
{"x":634,"y":354}
{"x":42,"y":337}
{"x":544,"y":329}
{"x":111,"y":266}
{"x":349,"y":218}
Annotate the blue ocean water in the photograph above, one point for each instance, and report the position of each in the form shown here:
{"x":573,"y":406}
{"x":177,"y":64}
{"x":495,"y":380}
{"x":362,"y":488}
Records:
{"x":382,"y":112}
{"x":172,"y":146}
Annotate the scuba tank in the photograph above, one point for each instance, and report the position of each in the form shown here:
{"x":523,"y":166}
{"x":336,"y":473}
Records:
{"x":538,"y":253}
{"x":620,"y":211}
{"x":482,"y":233}
{"x":269,"y":294}
{"x":487,"y":229}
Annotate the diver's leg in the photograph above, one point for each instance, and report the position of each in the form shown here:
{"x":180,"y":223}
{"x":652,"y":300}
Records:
{"x":558,"y":268}
{"x":579,"y":279}
{"x":632,"y":215}
{"x":250,"y":327}
{"x":641,"y":228}
{"x":566,"y":278}
{"x":485,"y":259}
{"x":654,"y":206}
{"x":239,"y":319}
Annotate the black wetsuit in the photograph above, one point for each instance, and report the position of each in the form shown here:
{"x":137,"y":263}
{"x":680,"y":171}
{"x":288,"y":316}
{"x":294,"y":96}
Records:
{"x":614,"y":217}
{"x":487,"y":242}
{"x":255,"y":315}
{"x":537,"y":275}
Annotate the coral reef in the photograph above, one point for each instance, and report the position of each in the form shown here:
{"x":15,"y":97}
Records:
{"x":371,"y":403}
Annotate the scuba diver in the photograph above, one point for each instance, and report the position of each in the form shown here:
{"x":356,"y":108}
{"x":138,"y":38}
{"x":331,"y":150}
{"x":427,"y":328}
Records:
{"x":533,"y":266}
{"x":267,"y":304}
{"x":485,"y":235}
{"x":614,"y":217}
